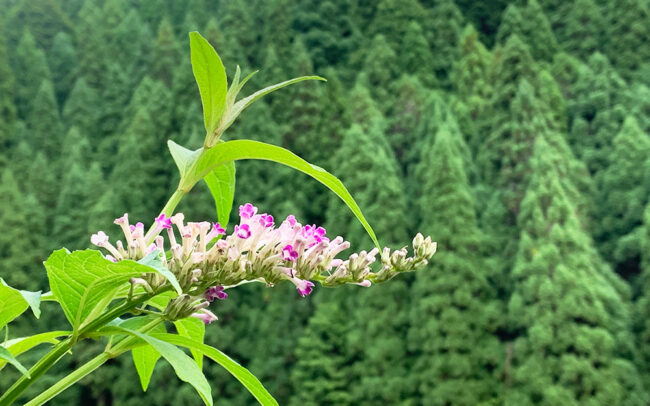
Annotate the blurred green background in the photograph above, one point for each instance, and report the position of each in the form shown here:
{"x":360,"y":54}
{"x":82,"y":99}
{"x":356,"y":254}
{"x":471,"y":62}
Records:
{"x":515,"y":133}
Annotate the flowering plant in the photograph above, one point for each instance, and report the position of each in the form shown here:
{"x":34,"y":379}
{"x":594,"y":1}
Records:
{"x":172,"y":272}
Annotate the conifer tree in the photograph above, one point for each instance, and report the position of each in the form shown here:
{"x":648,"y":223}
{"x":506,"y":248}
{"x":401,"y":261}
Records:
{"x":444,"y":28}
{"x":642,"y":305}
{"x":16,"y":248}
{"x":62,"y":60}
{"x":7,"y":93}
{"x":44,"y":122}
{"x":165,"y":53}
{"x":113,"y":98}
{"x":597,"y":111}
{"x":130,"y":47}
{"x":379,"y":71}
{"x":91,"y":52}
{"x":139,"y":179}
{"x":567,"y":311}
{"x":416,"y":57}
{"x":80,"y":109}
{"x":623,"y":193}
{"x":393,"y":17}
{"x":531,"y":26}
{"x":321,"y":375}
{"x":30,"y":69}
{"x":584,"y":32}
{"x":627,"y":34}
{"x":455,"y":313}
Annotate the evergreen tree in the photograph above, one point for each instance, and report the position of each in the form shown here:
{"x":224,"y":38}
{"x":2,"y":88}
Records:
{"x":62,"y":60}
{"x":455,"y":313}
{"x":530,"y":25}
{"x":92,"y":53}
{"x":444,"y":28}
{"x":130,"y":47}
{"x":80,"y":109}
{"x":30,"y":69}
{"x":415,"y":57}
{"x":584,"y":31}
{"x":567,"y":312}
{"x":44,"y":122}
{"x":7,"y":106}
{"x":627,"y":35}
{"x":642,"y":306}
{"x":597,"y":111}
{"x":379,"y":71}
{"x":165,"y":54}
{"x":16,"y":245}
{"x":623,"y":191}
{"x":392,"y":19}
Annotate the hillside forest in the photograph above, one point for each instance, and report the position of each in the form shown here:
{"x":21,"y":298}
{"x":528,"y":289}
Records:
{"x":515,"y":133}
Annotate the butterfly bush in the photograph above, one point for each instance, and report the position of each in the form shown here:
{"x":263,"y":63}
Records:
{"x":207,"y":261}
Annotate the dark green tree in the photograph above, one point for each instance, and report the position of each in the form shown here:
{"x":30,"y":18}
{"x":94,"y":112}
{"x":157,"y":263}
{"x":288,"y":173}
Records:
{"x":30,"y":69}
{"x":455,"y":314}
{"x":165,"y":54}
{"x":584,"y":31}
{"x":44,"y":121}
{"x":80,"y":109}
{"x":623,"y":191}
{"x":416,"y":57}
{"x":7,"y":106}
{"x":62,"y":60}
{"x":568,"y":311}
{"x":443,"y":29}
{"x":379,"y":71}
{"x":627,"y":34}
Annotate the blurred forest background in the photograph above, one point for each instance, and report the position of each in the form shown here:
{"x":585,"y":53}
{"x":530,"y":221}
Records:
{"x":515,"y":133}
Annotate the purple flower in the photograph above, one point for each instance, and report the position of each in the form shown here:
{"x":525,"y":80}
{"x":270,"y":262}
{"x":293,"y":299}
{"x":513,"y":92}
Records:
{"x":100,"y":239}
{"x":266,"y":220}
{"x":247,"y":211}
{"x":215,"y":292}
{"x":206,"y":316}
{"x":138,"y":225}
{"x":304,"y":287}
{"x":217,"y":229}
{"x":288,"y":253}
{"x":291,"y":219}
{"x":164,"y":221}
{"x":243,"y":231}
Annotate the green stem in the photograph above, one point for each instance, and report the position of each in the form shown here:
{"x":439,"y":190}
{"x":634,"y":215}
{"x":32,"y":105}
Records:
{"x":55,"y":354}
{"x":173,"y":201}
{"x":89,"y":367}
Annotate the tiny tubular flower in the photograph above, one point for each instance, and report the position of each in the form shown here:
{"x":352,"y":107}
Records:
{"x":215,"y":292}
{"x":205,"y":315}
{"x":243,"y":231}
{"x":266,"y":220}
{"x":247,"y":211}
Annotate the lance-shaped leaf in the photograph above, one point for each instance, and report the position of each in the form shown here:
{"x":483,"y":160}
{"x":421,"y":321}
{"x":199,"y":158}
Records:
{"x":221,"y":181}
{"x":144,"y":357}
{"x":85,"y":282}
{"x":12,"y":303}
{"x":194,"y":329}
{"x":243,"y":375}
{"x":186,"y":369}
{"x":7,"y":357}
{"x":210,"y":76}
{"x":17,"y":346}
{"x":245,"y":149}
{"x":247,"y":101}
{"x":183,"y":157}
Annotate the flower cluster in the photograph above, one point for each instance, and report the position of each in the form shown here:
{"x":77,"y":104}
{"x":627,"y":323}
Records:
{"x":206,"y":261}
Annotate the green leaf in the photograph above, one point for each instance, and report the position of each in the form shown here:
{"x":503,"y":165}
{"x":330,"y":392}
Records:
{"x":6,"y":356}
{"x":12,"y":303}
{"x":221,"y":181}
{"x":245,"y":149}
{"x":160,"y":301}
{"x":210,"y":76}
{"x":194,"y":329}
{"x":182,"y":156}
{"x":247,"y":101}
{"x":85,"y":282}
{"x":20,"y":345}
{"x":144,"y":357}
{"x":243,"y":375}
{"x":153,"y":260}
{"x":186,"y":369}
{"x":34,"y":301}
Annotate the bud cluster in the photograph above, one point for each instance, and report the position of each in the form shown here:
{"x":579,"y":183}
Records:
{"x":206,"y":261}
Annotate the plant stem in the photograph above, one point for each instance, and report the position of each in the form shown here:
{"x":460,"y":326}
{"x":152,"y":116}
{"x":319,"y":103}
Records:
{"x":89,"y":367}
{"x":64,"y":346}
{"x":173,"y":201}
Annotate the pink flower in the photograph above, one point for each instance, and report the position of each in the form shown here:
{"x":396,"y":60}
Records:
{"x":304,"y":287}
{"x":215,"y":292}
{"x":247,"y":211}
{"x":266,"y":220}
{"x":100,"y":239}
{"x":163,"y":221}
{"x":288,"y":253}
{"x":122,"y":220}
{"x":217,"y":229}
{"x":138,"y":225}
{"x":291,"y":219}
{"x":206,"y":316}
{"x":243,"y":231}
